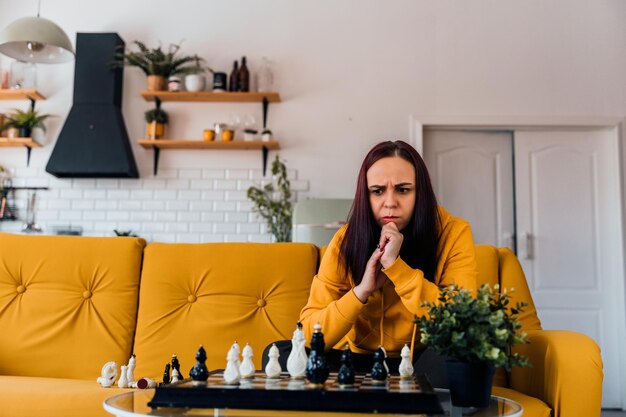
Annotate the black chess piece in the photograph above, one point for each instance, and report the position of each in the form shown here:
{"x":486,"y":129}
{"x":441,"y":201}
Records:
{"x":166,"y":374}
{"x":199,"y":373}
{"x":317,"y":367}
{"x":379,"y":372}
{"x":345,"y":377}
{"x":176,"y":365}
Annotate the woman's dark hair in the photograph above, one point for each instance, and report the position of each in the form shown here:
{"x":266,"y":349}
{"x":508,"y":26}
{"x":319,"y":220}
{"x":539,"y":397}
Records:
{"x":421,"y":235}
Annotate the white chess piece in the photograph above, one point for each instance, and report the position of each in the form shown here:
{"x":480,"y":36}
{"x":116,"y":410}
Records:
{"x":297,"y":360}
{"x":108,"y":375}
{"x":273,"y":369}
{"x":238,"y":350}
{"x":175,"y":376}
{"x":130,"y":371}
{"x":246,"y":369}
{"x":123,"y":382}
{"x":231,"y":373}
{"x":406,"y":367}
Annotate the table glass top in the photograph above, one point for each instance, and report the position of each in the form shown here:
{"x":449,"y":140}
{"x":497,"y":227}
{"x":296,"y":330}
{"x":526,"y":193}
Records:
{"x":133,"y":404}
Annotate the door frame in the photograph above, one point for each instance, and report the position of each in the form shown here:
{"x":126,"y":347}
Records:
{"x":419,"y":123}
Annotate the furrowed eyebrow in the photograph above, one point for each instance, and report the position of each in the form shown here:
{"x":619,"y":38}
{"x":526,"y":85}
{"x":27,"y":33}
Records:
{"x":404,"y":184}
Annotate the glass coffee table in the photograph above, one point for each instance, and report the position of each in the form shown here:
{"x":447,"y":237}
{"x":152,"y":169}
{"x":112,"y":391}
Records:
{"x":134,"y":404}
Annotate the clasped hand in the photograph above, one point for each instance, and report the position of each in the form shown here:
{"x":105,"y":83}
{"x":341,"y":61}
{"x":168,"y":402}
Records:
{"x":384,"y":255}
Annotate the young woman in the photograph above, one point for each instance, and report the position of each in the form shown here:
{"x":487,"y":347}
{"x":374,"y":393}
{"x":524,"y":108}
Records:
{"x":398,"y":248}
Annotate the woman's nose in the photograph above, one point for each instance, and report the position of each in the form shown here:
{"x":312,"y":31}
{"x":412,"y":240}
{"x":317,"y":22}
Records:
{"x":390,"y":200}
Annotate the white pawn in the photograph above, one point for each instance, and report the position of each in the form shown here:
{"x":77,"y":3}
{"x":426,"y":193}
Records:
{"x":297,"y":360}
{"x":175,"y":376}
{"x":246,"y":369}
{"x":123,"y":382}
{"x":130,"y":371}
{"x":273,"y":369}
{"x":231,"y":373}
{"x":406,"y":367}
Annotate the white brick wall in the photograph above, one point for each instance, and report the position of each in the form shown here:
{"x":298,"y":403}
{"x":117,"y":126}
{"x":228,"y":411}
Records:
{"x":178,"y":205}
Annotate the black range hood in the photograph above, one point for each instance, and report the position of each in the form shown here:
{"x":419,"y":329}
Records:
{"x":93,"y":142}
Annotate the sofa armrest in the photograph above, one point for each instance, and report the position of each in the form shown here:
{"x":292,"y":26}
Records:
{"x":566,"y":372}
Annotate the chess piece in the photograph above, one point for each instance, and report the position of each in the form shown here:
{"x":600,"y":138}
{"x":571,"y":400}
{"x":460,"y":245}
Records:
{"x":379,"y":373}
{"x":108,"y":375}
{"x":166,"y":374}
{"x":123,"y":382}
{"x":231,"y":373}
{"x":345,"y":377}
{"x":246,"y":369}
{"x":238,"y":352}
{"x":130,"y":371}
{"x":273,"y":369}
{"x":406,"y":367}
{"x":297,"y":360}
{"x":317,"y":366}
{"x":385,"y":360}
{"x":145,"y":383}
{"x":199,"y":373}
{"x":175,"y":376}
{"x":176,"y":365}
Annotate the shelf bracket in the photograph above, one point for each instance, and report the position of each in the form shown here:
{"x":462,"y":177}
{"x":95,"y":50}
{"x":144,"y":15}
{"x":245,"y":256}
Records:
{"x":157,"y":153}
{"x":266,"y":105}
{"x":32,"y":103}
{"x":28,"y":150}
{"x":157,"y":102}
{"x":264,"y":152}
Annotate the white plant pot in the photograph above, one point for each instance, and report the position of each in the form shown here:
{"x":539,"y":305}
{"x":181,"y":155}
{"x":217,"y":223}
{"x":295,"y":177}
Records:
{"x":249,"y":137}
{"x":266,"y":137}
{"x":195,"y":82}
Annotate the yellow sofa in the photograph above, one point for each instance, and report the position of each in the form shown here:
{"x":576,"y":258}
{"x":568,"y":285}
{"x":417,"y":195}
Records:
{"x":70,"y":304}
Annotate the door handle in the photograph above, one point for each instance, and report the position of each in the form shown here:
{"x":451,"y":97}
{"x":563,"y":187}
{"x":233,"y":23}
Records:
{"x":508,"y":240}
{"x":529,"y":246}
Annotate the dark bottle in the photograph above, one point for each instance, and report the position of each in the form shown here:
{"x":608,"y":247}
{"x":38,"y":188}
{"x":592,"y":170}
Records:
{"x":234,"y":78}
{"x":244,"y":76}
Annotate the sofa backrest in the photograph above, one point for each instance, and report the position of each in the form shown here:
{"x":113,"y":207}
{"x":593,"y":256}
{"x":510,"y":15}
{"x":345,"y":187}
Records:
{"x":67,"y":304}
{"x":215,"y":294}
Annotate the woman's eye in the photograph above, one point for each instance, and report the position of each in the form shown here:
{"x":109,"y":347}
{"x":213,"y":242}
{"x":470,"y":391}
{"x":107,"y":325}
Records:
{"x":377,"y":191}
{"x":403,"y":190}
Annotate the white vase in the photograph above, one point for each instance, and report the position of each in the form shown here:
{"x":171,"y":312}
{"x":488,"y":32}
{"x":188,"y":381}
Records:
{"x":195,"y":82}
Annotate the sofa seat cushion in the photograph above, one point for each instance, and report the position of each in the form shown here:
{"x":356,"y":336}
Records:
{"x":215,"y":294}
{"x":34,"y":397}
{"x":68,"y":304}
{"x":532,"y":406}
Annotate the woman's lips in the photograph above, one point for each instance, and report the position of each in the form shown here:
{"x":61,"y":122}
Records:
{"x":389,"y":219}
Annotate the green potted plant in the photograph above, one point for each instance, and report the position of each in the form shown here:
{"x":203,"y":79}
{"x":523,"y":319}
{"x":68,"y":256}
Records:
{"x":25,"y":122}
{"x":156,"y":119}
{"x":157,"y":64}
{"x":475,"y":334}
{"x":195,"y":79}
{"x":274,"y":204}
{"x":124,"y":233}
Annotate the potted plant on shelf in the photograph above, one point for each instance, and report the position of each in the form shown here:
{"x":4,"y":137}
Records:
{"x":24,"y":122}
{"x":274,"y":205}
{"x":475,"y":335}
{"x":157,"y":64}
{"x":156,"y":120}
{"x":196,"y":81}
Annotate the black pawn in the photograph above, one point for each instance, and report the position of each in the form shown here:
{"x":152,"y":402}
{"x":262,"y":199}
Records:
{"x":176,"y":365}
{"x":346,"y":371}
{"x":317,"y":367}
{"x":166,"y":374}
{"x":199,"y":373}
{"x":379,"y":372}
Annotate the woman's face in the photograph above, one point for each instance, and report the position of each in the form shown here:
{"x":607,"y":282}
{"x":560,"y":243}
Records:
{"x":391,"y":187}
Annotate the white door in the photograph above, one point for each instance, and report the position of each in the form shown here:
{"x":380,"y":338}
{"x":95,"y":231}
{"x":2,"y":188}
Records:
{"x":569,"y":236}
{"x":472,"y":175}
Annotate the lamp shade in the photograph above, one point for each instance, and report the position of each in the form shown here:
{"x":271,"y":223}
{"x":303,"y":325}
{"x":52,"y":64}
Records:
{"x":35,"y":39}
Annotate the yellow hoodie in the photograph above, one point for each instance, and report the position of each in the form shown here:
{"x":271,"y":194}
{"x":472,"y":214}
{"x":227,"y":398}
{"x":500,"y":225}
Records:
{"x":343,"y":317}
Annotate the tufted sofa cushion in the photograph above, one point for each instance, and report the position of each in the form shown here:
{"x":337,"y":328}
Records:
{"x":215,"y":294}
{"x":67,"y":304}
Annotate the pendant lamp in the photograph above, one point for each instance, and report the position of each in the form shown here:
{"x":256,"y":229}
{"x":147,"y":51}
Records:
{"x":35,"y":39}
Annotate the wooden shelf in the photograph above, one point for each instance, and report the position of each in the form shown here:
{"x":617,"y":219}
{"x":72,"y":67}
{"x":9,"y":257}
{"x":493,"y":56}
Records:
{"x":198,"y":144}
{"x":18,"y":143}
{"x":209,"y":96}
{"x":8,"y":94}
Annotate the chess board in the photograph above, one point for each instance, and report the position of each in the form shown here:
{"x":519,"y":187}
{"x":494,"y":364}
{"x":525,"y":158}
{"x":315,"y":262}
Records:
{"x":412,"y":396}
